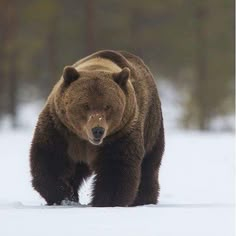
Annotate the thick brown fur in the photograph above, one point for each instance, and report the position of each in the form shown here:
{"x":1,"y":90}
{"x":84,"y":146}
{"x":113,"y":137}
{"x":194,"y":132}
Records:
{"x":116,"y":91}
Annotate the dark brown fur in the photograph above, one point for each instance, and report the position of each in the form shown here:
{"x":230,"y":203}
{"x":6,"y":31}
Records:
{"x":126,"y":164}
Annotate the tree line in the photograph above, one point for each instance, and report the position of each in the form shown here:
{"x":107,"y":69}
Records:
{"x":190,"y":43}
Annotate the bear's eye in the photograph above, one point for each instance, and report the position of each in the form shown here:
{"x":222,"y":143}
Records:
{"x":107,"y":108}
{"x":86,"y":107}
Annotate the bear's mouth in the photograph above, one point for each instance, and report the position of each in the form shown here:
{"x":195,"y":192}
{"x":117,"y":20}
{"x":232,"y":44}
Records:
{"x":95,"y":141}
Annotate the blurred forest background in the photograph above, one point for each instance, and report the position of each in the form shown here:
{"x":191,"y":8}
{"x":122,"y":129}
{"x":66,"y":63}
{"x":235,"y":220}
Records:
{"x":187,"y":43}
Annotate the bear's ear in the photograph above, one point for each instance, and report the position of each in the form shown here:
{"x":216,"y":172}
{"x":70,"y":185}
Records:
{"x":70,"y":74}
{"x":122,"y":77}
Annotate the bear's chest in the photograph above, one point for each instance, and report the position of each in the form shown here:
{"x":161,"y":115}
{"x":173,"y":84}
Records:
{"x":81,"y":151}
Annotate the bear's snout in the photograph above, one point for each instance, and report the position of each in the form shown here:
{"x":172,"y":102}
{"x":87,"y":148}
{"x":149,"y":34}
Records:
{"x":96,"y":128}
{"x":98,"y":132}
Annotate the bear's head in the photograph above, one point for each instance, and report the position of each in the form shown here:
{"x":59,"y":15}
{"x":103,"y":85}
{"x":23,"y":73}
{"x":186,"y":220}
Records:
{"x":92,"y":103}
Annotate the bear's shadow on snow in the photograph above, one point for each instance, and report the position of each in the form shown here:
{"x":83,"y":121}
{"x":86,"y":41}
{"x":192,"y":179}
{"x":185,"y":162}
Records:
{"x":19,"y":205}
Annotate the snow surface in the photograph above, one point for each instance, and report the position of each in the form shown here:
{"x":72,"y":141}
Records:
{"x":197,"y":192}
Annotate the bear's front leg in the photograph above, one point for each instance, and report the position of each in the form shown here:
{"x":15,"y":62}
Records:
{"x":54,"y":190}
{"x":117,"y":171}
{"x":51,"y":170}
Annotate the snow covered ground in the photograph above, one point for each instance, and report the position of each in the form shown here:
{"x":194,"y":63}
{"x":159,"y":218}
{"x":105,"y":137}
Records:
{"x":197,"y":192}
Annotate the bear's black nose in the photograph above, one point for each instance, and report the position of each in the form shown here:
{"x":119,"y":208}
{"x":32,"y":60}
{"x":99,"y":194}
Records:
{"x":98,"y":132}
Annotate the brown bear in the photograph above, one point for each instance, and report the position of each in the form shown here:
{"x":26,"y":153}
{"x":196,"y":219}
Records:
{"x":104,"y":117}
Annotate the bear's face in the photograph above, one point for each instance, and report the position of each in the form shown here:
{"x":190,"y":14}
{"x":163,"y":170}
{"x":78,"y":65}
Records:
{"x":94,"y":102}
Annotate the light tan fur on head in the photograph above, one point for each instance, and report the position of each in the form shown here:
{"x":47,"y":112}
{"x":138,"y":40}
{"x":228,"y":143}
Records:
{"x":99,"y":64}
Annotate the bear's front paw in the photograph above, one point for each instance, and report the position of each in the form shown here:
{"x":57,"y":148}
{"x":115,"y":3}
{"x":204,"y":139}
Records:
{"x":63,"y":200}
{"x":62,"y":193}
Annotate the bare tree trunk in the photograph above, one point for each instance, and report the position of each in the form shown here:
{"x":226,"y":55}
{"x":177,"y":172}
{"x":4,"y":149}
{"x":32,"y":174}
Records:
{"x":3,"y":35}
{"x":90,"y":15}
{"x":11,"y":10}
{"x":52,"y":56}
{"x":13,"y":88}
{"x":135,"y":31}
{"x":201,"y":65}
